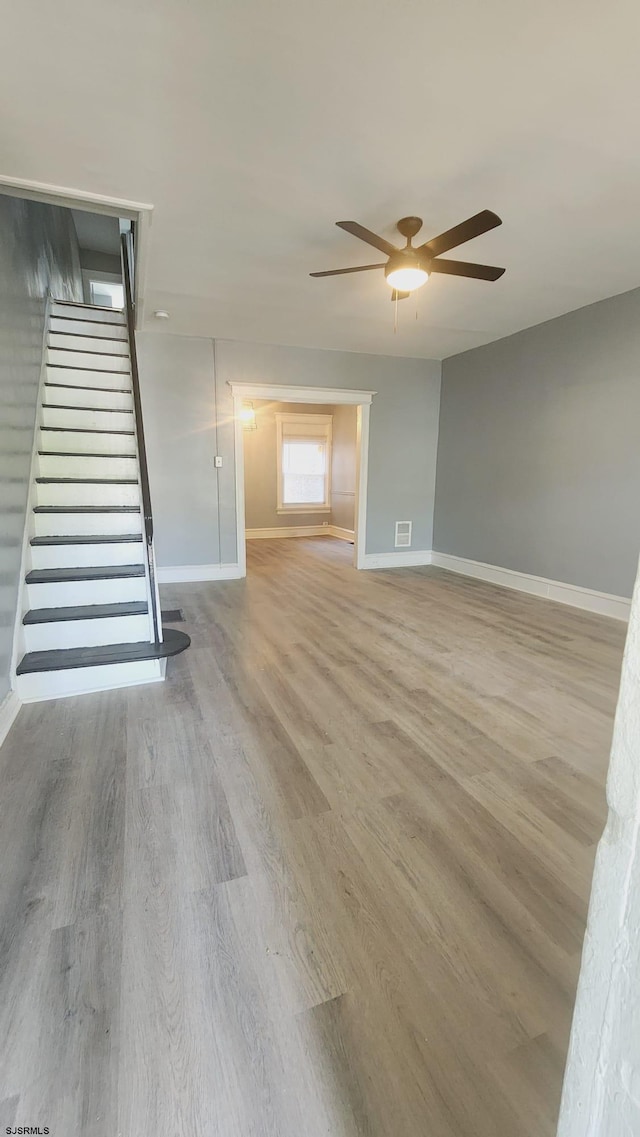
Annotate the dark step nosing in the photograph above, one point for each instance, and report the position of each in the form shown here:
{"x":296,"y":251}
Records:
{"x":93,"y":410}
{"x":87,"y":481}
{"x":88,"y":307}
{"x":82,"y":387}
{"x":87,"y":350}
{"x":88,"y":335}
{"x":84,"y":320}
{"x":84,"y":573}
{"x":86,"y":509}
{"x":93,"y":370}
{"x":87,"y":539}
{"x":86,"y":430}
{"x":73,"y":657}
{"x":82,"y":454}
{"x":85,"y":612}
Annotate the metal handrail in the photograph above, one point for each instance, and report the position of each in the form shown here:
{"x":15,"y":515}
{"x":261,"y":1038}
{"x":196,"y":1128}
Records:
{"x":126,"y":241}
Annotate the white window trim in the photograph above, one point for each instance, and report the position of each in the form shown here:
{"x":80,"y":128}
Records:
{"x":298,"y":419}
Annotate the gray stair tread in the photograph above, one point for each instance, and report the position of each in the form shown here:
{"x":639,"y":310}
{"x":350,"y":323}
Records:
{"x":85,"y":430}
{"x":88,"y":539}
{"x":81,"y":454}
{"x":105,"y":410}
{"x":87,"y":335}
{"x":71,"y":320}
{"x":74,"y":367}
{"x":174,"y":642}
{"x":90,"y":307}
{"x":94,"y":572}
{"x":82,"y":387}
{"x":84,"y":612}
{"x":87,"y":350}
{"x":86,"y":509}
{"x":87,"y":481}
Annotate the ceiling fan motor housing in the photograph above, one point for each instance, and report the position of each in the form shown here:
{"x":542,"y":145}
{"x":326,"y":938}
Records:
{"x":409,"y":226}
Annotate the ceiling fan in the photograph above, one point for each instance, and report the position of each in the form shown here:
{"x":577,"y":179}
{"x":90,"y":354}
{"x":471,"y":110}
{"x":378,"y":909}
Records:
{"x":409,"y":268}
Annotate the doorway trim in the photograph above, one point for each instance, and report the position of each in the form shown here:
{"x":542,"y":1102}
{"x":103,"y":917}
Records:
{"x":65,"y":197}
{"x":283,"y":393}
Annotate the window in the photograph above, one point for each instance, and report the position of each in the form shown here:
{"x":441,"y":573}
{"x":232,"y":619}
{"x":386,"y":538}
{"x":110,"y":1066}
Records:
{"x":304,"y":463}
{"x":106,"y":295}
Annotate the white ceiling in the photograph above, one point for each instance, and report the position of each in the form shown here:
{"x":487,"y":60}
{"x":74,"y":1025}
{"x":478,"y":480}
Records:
{"x":253,"y":126}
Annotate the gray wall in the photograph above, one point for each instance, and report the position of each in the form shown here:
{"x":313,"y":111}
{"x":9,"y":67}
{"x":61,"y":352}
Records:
{"x":261,"y":468}
{"x":188,"y":404}
{"x":38,"y":252}
{"x":100,"y":263}
{"x":179,"y":410}
{"x":538,"y":455}
{"x":343,"y":467}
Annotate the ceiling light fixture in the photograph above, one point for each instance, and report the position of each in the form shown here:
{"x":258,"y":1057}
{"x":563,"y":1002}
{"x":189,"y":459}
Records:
{"x":405,"y":273}
{"x":161,"y":314}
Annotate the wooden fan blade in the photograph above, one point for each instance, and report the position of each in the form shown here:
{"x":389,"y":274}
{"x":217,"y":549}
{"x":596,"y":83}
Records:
{"x":473,"y":227}
{"x":395,"y":295}
{"x":341,"y":271}
{"x":463,"y":268}
{"x":370,"y":238}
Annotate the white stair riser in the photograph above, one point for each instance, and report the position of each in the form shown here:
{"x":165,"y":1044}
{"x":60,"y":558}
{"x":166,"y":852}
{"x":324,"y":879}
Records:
{"x":81,"y":442}
{"x":88,"y":327}
{"x":79,"y":466}
{"x":77,"y":376}
{"x":82,"y":680}
{"x":87,"y":420}
{"x":70,"y":592}
{"x":85,"y":633}
{"x":103,"y":346}
{"x":59,"y":524}
{"x":87,"y":361}
{"x":75,"y":556}
{"x":87,"y":312}
{"x":55,"y":493}
{"x":78,"y":397}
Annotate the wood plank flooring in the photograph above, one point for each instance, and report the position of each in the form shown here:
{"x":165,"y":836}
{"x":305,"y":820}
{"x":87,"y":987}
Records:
{"x":331,"y":878}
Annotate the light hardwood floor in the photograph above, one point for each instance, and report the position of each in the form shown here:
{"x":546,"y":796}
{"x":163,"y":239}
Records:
{"x":330,"y":879}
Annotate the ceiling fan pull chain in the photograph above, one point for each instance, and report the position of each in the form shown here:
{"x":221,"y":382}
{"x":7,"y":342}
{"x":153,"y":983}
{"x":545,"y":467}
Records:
{"x":395,"y":316}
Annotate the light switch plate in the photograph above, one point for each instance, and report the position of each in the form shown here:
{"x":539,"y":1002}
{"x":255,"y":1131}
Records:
{"x":217,"y":461}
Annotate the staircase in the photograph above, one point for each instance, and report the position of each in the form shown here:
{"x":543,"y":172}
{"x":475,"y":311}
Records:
{"x":90,"y":610}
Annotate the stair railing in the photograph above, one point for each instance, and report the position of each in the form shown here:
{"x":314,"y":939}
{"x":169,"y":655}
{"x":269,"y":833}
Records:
{"x":126,"y":242}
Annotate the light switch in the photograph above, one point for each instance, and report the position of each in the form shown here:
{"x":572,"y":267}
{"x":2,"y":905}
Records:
{"x":217,"y":461}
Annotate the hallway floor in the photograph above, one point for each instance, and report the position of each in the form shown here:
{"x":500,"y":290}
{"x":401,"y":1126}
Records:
{"x":331,"y":878}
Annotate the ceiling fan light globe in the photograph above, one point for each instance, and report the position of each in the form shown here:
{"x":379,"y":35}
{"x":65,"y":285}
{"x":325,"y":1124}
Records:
{"x":407,"y":278}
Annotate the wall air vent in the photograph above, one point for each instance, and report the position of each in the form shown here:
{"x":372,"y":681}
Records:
{"x":403,"y":534}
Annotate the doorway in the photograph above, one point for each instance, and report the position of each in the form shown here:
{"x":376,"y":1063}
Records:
{"x":250,"y":401}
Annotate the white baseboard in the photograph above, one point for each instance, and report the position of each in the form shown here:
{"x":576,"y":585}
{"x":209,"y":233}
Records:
{"x":409,"y":559}
{"x":342,"y":534}
{"x":602,"y":603}
{"x":8,"y":711}
{"x":300,"y":531}
{"x":287,"y":531}
{"x":185,"y":574}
